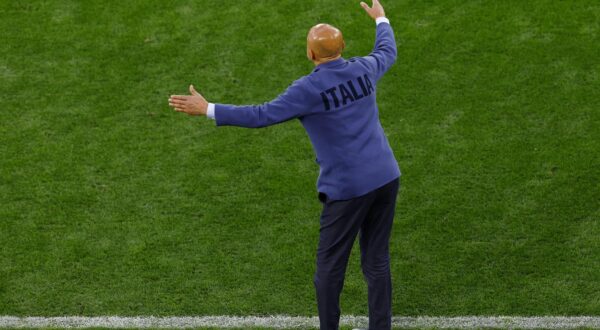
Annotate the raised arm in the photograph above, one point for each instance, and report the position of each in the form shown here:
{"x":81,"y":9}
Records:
{"x":384,"y":53}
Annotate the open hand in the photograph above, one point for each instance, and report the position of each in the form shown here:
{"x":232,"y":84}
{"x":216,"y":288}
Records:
{"x":193,"y":105}
{"x":375,"y":11}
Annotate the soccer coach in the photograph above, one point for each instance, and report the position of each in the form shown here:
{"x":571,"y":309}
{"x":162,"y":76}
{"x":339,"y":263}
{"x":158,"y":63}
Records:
{"x":359,"y":176}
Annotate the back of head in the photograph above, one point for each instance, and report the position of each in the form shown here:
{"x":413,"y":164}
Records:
{"x":324,"y":42}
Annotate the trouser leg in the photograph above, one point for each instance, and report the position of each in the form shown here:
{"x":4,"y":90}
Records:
{"x":340,"y":223}
{"x":375,"y":257}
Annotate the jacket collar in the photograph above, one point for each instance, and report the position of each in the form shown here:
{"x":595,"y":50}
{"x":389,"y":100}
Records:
{"x":330,"y":64}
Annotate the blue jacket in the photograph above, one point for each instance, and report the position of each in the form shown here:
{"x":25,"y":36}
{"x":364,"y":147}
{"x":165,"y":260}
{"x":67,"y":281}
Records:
{"x":336,"y":105}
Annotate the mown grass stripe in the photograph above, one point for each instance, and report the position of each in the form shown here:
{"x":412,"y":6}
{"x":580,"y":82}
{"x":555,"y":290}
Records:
{"x":283,"y":321}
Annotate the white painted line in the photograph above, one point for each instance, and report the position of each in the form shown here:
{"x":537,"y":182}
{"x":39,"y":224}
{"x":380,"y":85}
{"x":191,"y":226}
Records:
{"x":504,"y":322}
{"x":289,"y":322}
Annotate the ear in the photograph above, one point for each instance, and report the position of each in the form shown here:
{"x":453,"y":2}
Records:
{"x":311,"y":55}
{"x":343,"y":44}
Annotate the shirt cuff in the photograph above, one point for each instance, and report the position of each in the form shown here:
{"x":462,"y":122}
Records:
{"x":210,"y":111}
{"x":382,"y":19}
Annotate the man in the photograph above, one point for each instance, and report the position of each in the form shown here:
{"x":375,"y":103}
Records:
{"x":359,"y":176}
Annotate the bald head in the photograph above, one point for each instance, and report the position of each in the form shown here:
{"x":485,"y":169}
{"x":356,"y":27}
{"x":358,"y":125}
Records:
{"x":324,"y":43}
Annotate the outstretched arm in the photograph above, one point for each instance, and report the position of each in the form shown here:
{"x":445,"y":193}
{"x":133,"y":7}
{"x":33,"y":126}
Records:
{"x":292,"y":103}
{"x":384,"y":54}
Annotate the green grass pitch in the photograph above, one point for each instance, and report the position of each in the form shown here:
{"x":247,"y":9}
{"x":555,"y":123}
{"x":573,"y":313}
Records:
{"x":113,"y":204}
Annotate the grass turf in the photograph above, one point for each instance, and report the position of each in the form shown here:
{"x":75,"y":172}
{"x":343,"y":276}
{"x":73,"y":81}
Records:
{"x":113,"y":204}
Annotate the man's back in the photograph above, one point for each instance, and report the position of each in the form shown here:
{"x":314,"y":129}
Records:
{"x":337,"y":106}
{"x":351,"y":148}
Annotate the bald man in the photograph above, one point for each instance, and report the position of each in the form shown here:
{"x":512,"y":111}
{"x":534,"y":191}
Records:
{"x":359,"y":176}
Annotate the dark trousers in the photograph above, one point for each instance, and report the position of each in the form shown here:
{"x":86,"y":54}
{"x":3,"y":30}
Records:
{"x":372,"y":216}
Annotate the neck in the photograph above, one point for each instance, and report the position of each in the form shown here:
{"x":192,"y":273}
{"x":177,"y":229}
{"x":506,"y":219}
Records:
{"x":325,"y":59}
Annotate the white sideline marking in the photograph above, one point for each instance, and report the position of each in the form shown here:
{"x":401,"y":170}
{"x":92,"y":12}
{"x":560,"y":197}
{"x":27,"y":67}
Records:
{"x":282,"y":321}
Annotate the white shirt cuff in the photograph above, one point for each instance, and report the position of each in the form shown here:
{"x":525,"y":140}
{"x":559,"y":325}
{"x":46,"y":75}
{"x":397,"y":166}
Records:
{"x":380,"y":20}
{"x":210,"y":111}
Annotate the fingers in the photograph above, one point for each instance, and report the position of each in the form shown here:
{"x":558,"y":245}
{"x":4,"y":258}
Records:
{"x":178,"y":102}
{"x":179,"y":97}
{"x":178,"y":106}
{"x":376,"y":9}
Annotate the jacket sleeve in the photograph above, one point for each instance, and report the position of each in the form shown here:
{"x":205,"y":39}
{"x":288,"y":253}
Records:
{"x":294,"y":102}
{"x":384,"y":54}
